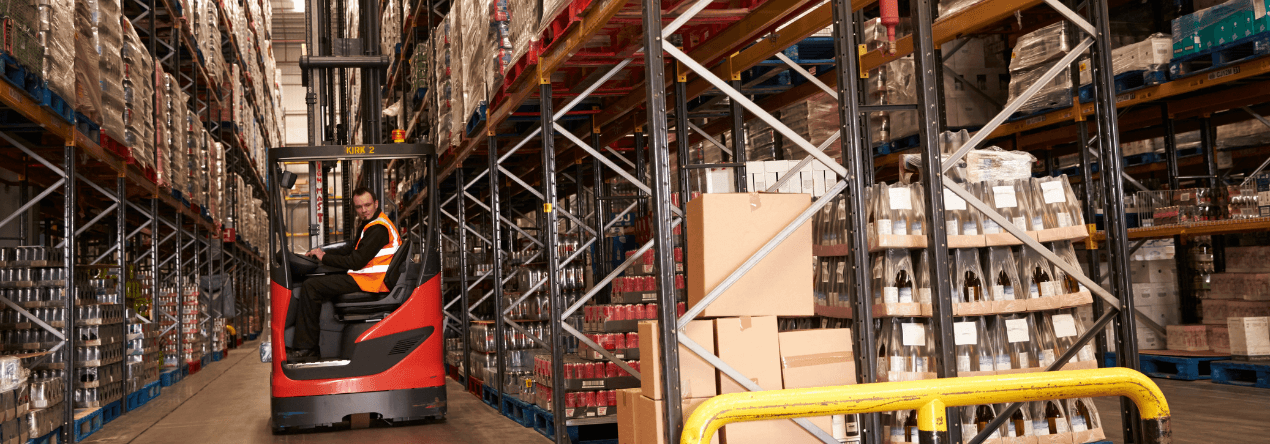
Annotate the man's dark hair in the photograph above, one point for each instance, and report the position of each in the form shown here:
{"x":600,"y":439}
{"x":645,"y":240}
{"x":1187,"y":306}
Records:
{"x":363,"y":190}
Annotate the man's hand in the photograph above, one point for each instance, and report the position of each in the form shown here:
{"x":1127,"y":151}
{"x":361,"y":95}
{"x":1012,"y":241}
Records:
{"x":316,"y":253}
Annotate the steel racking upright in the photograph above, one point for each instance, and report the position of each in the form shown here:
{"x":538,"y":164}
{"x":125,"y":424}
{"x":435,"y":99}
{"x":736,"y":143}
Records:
{"x":619,"y":118}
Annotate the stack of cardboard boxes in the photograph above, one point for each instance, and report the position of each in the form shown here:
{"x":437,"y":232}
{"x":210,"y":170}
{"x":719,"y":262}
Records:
{"x":740,"y":326}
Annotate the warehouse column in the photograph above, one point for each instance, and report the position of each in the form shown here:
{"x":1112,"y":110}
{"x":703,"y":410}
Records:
{"x":68,"y":253}
{"x":550,"y":244}
{"x":463,"y":251}
{"x":737,"y":114}
{"x":930,"y":109}
{"x":1113,"y":205}
{"x":496,"y":272}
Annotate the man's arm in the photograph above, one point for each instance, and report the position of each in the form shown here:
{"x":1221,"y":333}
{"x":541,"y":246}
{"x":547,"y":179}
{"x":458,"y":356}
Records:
{"x":375,"y":239}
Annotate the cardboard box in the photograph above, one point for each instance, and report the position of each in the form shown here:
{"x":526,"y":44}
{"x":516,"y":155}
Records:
{"x":1219,"y":338}
{"x":750,"y":345}
{"x":651,"y":427}
{"x":816,"y":358}
{"x":1187,"y":337}
{"x":1214,"y":311}
{"x":1249,"y":336}
{"x":724,"y":230}
{"x":696,"y":376}
{"x":627,"y":417}
{"x":1149,"y":340}
{"x":783,"y":431}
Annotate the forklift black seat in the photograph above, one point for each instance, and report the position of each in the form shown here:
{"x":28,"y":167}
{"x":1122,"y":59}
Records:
{"x":361,"y":305}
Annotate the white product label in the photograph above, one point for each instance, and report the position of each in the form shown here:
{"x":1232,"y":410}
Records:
{"x":906,"y":295}
{"x":1185,"y":197}
{"x":1003,"y":362}
{"x":1024,"y":360}
{"x":884,"y":227}
{"x":1061,"y":425}
{"x":1052,"y":192}
{"x":1034,"y":292}
{"x":824,"y":274}
{"x":985,"y":363}
{"x":890,"y":295}
{"x":953,"y":228}
{"x":952,"y":201}
{"x":1064,"y":325}
{"x":917,"y":227}
{"x":965,"y":333}
{"x":1064,"y":220}
{"x":1086,"y":353}
{"x":841,"y":266}
{"x":923,"y":295}
{"x":1004,"y":197}
{"x":963,"y":363}
{"x":1078,"y":424}
{"x":1016,"y":330}
{"x":1040,"y":427}
{"x":999,"y":293}
{"x":990,"y":227}
{"x":914,"y":335}
{"x":901,"y":198}
{"x":897,"y":364}
{"x":899,"y":227}
{"x":1047,"y":358}
{"x":1021,"y":222}
{"x":970,"y":229}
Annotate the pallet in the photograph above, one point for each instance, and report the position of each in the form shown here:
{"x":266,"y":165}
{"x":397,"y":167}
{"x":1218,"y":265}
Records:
{"x":1243,"y":373}
{"x":1217,"y":59}
{"x":1184,"y":368}
{"x":252,"y":336}
{"x":516,"y":69}
{"x":517,"y":411}
{"x":87,"y":127}
{"x":477,"y":117}
{"x":170,"y":377}
{"x":87,"y":421}
{"x":489,"y":396}
{"x":50,"y":438}
{"x":545,"y":424}
{"x":194,"y":367}
{"x":474,"y":387}
{"x":52,"y":101}
{"x":1142,"y":159}
{"x":206,"y":360}
{"x":1126,"y":82}
{"x":568,"y":17}
{"x":216,"y":356}
{"x":111,"y":412}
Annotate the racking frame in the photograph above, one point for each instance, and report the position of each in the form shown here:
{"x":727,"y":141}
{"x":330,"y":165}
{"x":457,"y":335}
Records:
{"x":706,"y":69}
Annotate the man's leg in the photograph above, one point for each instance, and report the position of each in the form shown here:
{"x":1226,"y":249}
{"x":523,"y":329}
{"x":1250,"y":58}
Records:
{"x":315,"y":292}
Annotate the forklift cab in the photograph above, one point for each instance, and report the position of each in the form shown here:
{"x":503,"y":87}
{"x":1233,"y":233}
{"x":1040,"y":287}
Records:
{"x":381,"y":353}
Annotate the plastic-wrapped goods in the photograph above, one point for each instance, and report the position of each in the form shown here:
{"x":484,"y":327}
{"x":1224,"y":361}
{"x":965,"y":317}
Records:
{"x":1038,"y":47}
{"x":21,"y":25}
{"x":1036,"y":274}
{"x":1056,"y":94}
{"x":949,"y":7}
{"x":1152,"y":54}
{"x":1002,"y":274}
{"x":521,"y":27}
{"x":139,"y":97}
{"x":87,"y":69}
{"x":969,"y":282}
{"x":974,"y":354}
{"x":1241,"y":134}
{"x":893,"y":278}
{"x":816,"y":120}
{"x":1224,"y":23}
{"x":57,"y":36}
{"x":760,"y":144}
{"x":390,"y":27}
{"x":1032,"y":56}
{"x":110,"y":66}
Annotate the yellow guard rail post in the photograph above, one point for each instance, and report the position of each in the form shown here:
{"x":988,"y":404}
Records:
{"x":930,"y":397}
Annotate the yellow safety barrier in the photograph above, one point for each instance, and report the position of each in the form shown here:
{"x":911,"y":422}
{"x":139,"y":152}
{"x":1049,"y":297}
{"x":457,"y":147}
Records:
{"x":931,"y":397}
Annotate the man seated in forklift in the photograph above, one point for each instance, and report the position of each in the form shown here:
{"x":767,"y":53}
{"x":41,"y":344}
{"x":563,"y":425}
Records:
{"x":367,"y":264}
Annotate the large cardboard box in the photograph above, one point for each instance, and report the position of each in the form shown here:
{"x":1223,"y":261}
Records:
{"x":1249,"y":336}
{"x":1187,"y":337}
{"x":724,"y":230}
{"x":696,"y":376}
{"x":817,"y":358}
{"x":749,"y":345}
{"x":782,"y":431}
{"x":651,"y":425}
{"x":627,"y":419}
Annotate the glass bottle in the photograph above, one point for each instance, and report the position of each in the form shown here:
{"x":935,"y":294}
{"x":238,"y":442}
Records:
{"x":1003,"y":271}
{"x":1083,"y":414}
{"x":918,"y":215}
{"x":1074,"y":207}
{"x":1067,"y":328}
{"x":1037,"y":272}
{"x":897,"y":426}
{"x":1046,"y":343}
{"x":968,"y":276}
{"x":1020,"y":423}
{"x":1029,"y":195}
{"x":923,"y":277}
{"x":1019,"y":334}
{"x":1055,"y":418}
{"x":1000,"y":348}
{"x":1068,"y":283}
{"x":910,"y":427}
{"x":883,"y":329}
{"x":984,"y":414}
{"x":970,"y":338}
{"x":900,"y":276}
{"x":900,"y":203}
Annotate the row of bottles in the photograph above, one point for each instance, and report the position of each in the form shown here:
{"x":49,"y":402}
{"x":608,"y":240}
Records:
{"x":1037,"y":418}
{"x":32,"y":253}
{"x":983,"y":344}
{"x":1032,"y":204}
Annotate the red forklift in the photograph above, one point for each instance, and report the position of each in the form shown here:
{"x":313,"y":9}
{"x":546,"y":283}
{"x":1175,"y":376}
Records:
{"x":381,"y":354}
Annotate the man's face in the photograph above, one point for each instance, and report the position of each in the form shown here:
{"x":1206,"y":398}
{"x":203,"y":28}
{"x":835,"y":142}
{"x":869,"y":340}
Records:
{"x":366,"y":206}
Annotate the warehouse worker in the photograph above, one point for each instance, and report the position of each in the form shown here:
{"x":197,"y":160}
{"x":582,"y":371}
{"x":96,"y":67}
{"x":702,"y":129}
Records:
{"x":367,"y":264}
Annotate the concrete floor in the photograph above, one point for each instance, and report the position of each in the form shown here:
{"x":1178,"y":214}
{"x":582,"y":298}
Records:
{"x":1203,"y":412}
{"x":228,"y":402}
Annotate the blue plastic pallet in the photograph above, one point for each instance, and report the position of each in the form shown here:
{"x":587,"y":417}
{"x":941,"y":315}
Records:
{"x":478,"y":117}
{"x":252,"y":336}
{"x":170,"y":377}
{"x":1214,"y":60}
{"x":1182,"y":368}
{"x":1244,"y":373}
{"x":489,"y":396}
{"x":87,"y":127}
{"x":111,"y":412}
{"x":216,"y":356}
{"x":1127,"y":82}
{"x":87,"y":421}
{"x":1142,"y":159}
{"x":545,"y":424}
{"x":50,"y":438}
{"x":517,"y":411}
{"x":206,"y":359}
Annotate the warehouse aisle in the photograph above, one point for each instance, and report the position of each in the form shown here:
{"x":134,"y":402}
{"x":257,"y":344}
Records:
{"x":1203,"y":412}
{"x":228,"y":402}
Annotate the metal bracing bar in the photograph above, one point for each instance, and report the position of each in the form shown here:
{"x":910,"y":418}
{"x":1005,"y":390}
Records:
{"x":793,"y":172}
{"x":99,"y":189}
{"x":33,"y":318}
{"x":532,"y":289}
{"x":479,"y":279}
{"x":1263,"y":164}
{"x":683,"y":18}
{"x":758,"y":256}
{"x":709,"y":138}
{"x":1018,"y":102}
{"x":537,"y":340}
{"x":759,"y":112}
{"x":91,"y":222}
{"x":1123,"y":175}
{"x":27,"y":206}
{"x":971,"y":86}
{"x":600,"y":349}
{"x":749,"y":384}
{"x":465,"y":227}
{"x":613,"y":274}
{"x":807,"y":75}
{"x":520,"y":182}
{"x":171,"y":225}
{"x":620,"y":156}
{"x":1137,"y":245}
{"x":116,"y":247}
{"x":1073,"y":17}
{"x":1100,"y":326}
{"x":37,"y":157}
{"x":587,"y":147}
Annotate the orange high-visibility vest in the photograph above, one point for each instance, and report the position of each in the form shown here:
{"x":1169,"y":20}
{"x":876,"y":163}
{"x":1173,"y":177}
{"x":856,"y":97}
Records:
{"x":371,"y":277}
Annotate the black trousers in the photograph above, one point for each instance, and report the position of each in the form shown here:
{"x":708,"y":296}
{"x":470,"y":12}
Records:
{"x":313,"y":293}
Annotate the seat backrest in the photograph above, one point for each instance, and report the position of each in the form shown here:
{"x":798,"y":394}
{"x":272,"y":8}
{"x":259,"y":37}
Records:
{"x":398,"y":260}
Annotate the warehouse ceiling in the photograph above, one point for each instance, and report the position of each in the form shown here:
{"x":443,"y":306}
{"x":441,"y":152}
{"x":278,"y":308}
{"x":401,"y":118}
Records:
{"x":288,"y":22}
